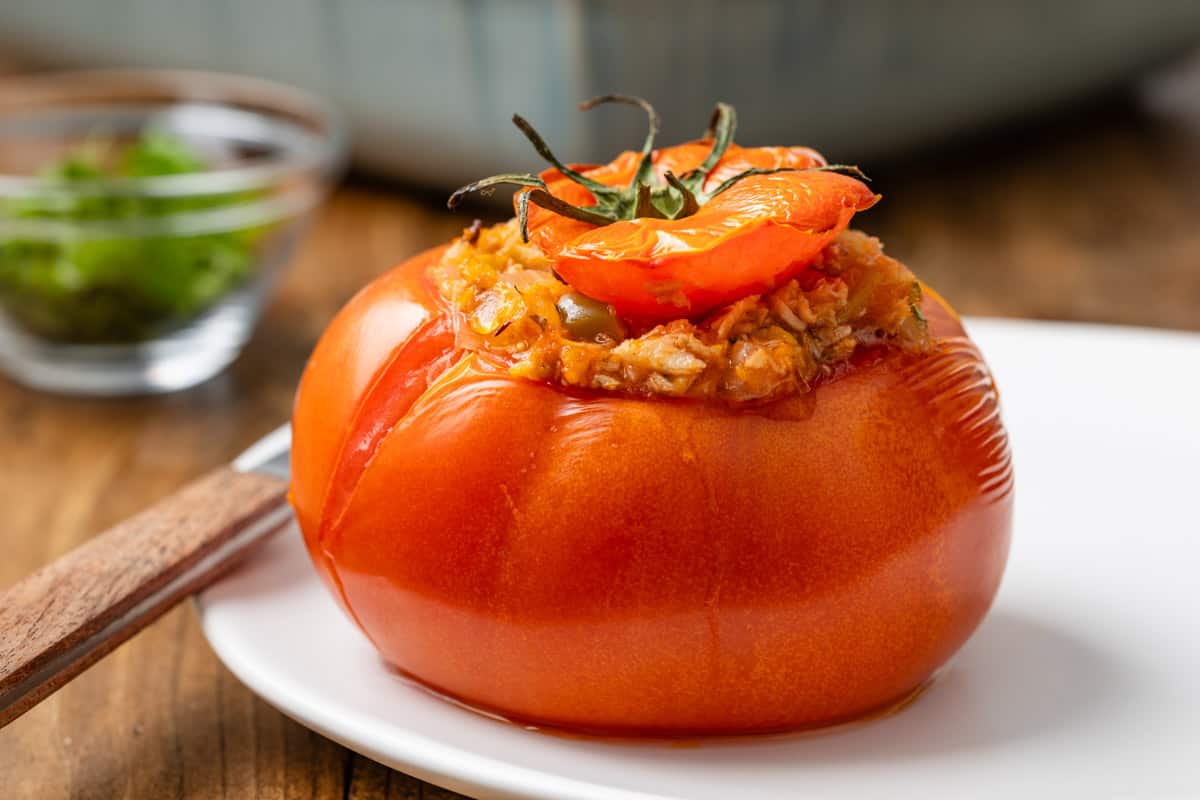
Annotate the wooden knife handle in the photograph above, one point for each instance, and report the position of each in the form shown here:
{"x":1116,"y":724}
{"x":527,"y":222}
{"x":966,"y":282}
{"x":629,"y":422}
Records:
{"x":63,"y":618}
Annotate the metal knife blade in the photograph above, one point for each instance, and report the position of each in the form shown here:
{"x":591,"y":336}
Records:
{"x":270,"y":455}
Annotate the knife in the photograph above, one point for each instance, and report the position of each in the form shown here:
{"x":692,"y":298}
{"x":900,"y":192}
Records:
{"x":63,"y":618}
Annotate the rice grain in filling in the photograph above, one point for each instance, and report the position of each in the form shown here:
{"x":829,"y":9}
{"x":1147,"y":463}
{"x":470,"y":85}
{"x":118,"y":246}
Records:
{"x":760,"y":348}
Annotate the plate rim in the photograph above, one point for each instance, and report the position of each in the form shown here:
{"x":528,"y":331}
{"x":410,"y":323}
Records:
{"x":461,"y":769}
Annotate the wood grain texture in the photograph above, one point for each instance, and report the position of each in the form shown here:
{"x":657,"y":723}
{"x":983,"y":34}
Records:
{"x":1094,"y":216}
{"x":67,"y":615}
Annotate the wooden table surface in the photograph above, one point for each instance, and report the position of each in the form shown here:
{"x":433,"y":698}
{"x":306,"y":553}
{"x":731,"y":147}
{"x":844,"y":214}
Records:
{"x":1090,"y":217}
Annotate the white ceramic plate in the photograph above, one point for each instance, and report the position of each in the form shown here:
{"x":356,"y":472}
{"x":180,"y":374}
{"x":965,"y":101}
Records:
{"x":1083,"y":682}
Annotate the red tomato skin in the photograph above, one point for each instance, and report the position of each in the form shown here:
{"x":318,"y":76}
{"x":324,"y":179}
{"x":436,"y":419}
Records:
{"x":612,"y":564}
{"x":341,"y":374}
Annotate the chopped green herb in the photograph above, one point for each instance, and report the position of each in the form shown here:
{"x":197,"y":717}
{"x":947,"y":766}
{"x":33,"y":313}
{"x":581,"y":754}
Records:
{"x":914,"y":302}
{"x":121,"y":289}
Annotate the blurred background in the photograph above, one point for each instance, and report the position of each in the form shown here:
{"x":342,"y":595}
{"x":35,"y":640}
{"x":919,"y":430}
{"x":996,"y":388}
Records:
{"x":1037,"y":160}
{"x":428,"y":86}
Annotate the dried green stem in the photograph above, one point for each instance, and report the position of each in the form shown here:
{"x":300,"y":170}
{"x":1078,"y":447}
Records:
{"x":839,"y":168}
{"x":543,"y":198}
{"x":543,"y":150}
{"x":645,"y":196}
{"x":688,"y":203}
{"x":645,"y":171}
{"x":486,"y":186}
{"x":721,"y":128}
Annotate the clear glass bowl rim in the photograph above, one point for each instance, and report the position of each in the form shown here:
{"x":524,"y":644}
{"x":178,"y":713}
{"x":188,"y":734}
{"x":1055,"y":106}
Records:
{"x":327,"y":159}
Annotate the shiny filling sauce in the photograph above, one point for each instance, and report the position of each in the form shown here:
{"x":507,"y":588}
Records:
{"x":514,"y":309}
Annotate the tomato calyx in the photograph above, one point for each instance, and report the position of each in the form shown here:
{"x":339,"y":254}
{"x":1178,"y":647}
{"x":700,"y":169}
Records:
{"x":646,"y":196}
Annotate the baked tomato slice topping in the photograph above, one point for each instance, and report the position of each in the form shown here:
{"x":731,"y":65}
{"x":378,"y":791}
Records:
{"x":662,"y":234}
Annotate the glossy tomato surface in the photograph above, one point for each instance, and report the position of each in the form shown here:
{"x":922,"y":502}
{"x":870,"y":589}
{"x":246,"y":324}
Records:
{"x":751,"y":237}
{"x":613,"y":564}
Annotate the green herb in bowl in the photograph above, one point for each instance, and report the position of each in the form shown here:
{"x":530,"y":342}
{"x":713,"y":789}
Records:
{"x":120,"y":288}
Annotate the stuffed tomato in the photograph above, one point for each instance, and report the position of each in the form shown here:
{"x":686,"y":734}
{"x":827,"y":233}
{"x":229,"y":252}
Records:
{"x":674,"y":452}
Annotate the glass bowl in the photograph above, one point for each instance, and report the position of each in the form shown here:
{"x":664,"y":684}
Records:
{"x":125,"y":280}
